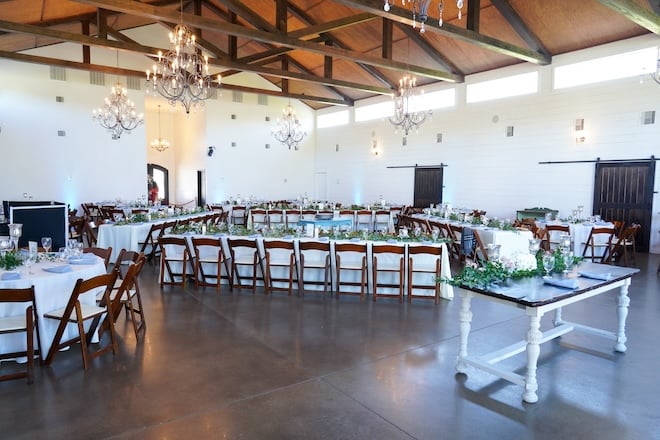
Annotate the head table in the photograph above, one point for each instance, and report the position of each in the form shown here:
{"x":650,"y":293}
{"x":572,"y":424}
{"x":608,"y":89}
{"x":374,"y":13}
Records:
{"x":52,"y":291}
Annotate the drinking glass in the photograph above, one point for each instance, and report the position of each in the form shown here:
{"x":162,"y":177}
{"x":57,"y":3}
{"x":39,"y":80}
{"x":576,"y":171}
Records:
{"x":30,"y":259}
{"x":46,"y":243}
{"x":534,"y":245}
{"x":548,"y":262}
{"x":435,"y":233}
{"x":568,"y":261}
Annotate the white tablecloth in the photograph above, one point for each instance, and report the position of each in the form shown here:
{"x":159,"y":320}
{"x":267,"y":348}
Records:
{"x":511,"y":242}
{"x":353,"y":216}
{"x":579,"y":234}
{"x":129,"y":235}
{"x":52,"y":291}
{"x":447,"y":290}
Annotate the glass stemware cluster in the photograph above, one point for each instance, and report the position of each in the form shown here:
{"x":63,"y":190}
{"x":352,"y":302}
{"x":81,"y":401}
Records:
{"x":15,"y":232}
{"x":565,"y":245}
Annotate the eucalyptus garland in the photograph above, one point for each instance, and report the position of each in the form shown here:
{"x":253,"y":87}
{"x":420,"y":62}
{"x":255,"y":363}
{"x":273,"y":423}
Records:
{"x":10,"y":260}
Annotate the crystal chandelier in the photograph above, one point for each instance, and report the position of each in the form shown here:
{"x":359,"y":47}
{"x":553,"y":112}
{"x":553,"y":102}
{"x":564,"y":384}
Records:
{"x":420,"y":11}
{"x":118,"y":113}
{"x":404,"y":118}
{"x":181,"y":74}
{"x":160,"y":144}
{"x":288,"y":130}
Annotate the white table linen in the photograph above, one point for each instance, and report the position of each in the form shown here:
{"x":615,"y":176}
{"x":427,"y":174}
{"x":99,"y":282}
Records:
{"x":52,"y":291}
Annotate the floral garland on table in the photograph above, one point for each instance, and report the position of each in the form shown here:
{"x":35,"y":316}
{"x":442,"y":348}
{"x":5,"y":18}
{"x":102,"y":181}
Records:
{"x":11,"y":260}
{"x":495,"y":272}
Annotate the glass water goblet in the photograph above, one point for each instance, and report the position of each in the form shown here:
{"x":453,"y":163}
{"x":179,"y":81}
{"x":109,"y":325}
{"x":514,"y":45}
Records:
{"x":435,"y":233}
{"x":548,"y":262}
{"x":30,"y":259}
{"x":46,"y":243}
{"x":568,"y":261}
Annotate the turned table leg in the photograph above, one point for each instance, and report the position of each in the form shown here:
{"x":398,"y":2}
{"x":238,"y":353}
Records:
{"x":465,"y":318}
{"x":534,"y":336}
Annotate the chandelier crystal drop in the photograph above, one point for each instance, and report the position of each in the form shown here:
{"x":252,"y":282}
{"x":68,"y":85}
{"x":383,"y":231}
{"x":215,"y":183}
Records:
{"x":288,"y":130}
{"x":404,"y":117}
{"x":160,"y":144}
{"x":118,"y":113}
{"x":419,"y":9}
{"x":182,"y":74}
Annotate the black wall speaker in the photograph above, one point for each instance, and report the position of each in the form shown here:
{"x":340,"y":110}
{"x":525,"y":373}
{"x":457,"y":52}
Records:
{"x":211,"y":151}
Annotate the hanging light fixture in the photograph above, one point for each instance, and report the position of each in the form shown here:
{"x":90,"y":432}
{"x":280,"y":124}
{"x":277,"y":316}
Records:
{"x":160,"y":144}
{"x":182,"y":74}
{"x":288,"y":130}
{"x":420,"y":9}
{"x":404,"y":117}
{"x":118,"y":113}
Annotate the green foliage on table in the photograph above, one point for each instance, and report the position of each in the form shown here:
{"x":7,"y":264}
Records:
{"x":11,"y":260}
{"x":140,"y":218}
{"x":454,"y":217}
{"x":492,"y":272}
{"x":357,"y":207}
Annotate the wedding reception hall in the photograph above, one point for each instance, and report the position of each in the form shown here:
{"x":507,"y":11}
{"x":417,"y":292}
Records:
{"x":345,"y":219}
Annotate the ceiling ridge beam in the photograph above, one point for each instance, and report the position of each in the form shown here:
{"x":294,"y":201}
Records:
{"x":146,"y":10}
{"x":517,"y":23}
{"x":635,"y":13}
{"x":402,"y":15}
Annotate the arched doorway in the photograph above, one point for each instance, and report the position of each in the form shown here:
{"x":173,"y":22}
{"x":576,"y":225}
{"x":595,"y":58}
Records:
{"x":160,"y":175}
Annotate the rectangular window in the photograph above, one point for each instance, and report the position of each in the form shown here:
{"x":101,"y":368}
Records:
{"x":623,"y":65}
{"x":332,"y":119}
{"x":516,"y":85}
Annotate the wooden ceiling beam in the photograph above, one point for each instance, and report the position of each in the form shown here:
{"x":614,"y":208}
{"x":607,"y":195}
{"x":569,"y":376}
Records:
{"x":153,"y":52}
{"x":428,"y":49}
{"x":25,"y":58}
{"x":146,"y":10}
{"x":404,"y":16}
{"x":518,"y":24}
{"x":635,"y":13}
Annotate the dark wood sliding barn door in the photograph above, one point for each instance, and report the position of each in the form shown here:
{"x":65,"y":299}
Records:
{"x":624,"y":191}
{"x":428,"y":187}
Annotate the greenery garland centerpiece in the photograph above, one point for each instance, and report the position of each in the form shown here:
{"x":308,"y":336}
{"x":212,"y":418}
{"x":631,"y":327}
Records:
{"x":10,"y":260}
{"x":494,"y":272}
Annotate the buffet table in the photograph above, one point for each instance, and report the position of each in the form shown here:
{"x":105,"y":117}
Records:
{"x":446,"y":292}
{"x":537,"y":298}
{"x":52,"y":291}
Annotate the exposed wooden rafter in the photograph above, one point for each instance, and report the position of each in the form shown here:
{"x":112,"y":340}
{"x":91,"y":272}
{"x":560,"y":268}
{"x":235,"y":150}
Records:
{"x":402,"y":15}
{"x":145,"y":10}
{"x":635,"y":13}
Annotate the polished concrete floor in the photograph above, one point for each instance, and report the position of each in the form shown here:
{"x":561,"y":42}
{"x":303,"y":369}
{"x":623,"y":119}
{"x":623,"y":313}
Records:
{"x":250,"y":366}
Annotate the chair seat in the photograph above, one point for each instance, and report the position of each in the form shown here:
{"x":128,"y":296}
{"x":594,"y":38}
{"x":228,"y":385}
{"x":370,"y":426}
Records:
{"x":10,"y":324}
{"x":88,"y":311}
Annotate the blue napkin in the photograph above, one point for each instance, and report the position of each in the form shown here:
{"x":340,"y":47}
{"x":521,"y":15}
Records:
{"x":596,"y":276}
{"x":287,"y":237}
{"x":58,"y":269}
{"x":85,"y":259}
{"x":566,"y":283}
{"x":324,"y":239}
{"x":10,"y":276}
{"x":253,"y":235}
{"x":391,"y":241}
{"x":354,"y":239}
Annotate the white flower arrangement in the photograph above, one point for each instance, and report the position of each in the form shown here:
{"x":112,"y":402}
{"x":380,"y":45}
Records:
{"x":519,"y":261}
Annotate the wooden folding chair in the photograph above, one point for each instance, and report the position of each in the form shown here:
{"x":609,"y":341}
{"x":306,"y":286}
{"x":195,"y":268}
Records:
{"x":259,"y":218}
{"x":149,"y":244}
{"x":351,"y":258}
{"x":388,"y":259}
{"x":424,"y":270}
{"x":280,"y":255}
{"x":598,"y":246}
{"x":18,"y":323}
{"x":103,"y":253}
{"x":314,"y":256}
{"x":174,"y":253}
{"x":553,"y":232}
{"x":244,"y":254}
{"x":78,"y":313}
{"x":209,"y":253}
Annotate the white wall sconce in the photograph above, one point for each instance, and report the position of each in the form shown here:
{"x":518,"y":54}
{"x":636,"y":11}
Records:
{"x":580,"y":134}
{"x":374,"y":144}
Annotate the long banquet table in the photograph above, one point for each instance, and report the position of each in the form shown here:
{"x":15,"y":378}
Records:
{"x":536,"y":299}
{"x":129,"y":235}
{"x":446,"y":290}
{"x":579,"y":233}
{"x":52,"y":291}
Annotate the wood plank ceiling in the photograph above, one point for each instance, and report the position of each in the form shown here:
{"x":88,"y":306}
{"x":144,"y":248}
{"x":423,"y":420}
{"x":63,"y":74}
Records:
{"x":329,"y":52}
